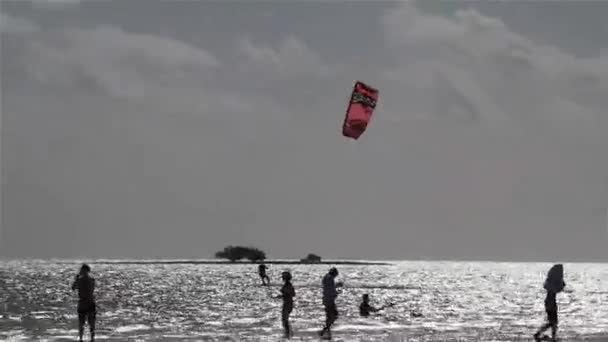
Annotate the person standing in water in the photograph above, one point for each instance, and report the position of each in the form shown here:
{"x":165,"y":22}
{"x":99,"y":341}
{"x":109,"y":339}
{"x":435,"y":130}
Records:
{"x":365,"y":308}
{"x":287,"y":294}
{"x":553,"y":285}
{"x":329,"y":301}
{"x":262,"y":272}
{"x":87,"y":311}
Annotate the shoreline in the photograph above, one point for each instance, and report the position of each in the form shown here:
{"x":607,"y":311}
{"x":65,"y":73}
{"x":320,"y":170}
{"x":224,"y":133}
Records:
{"x":289,"y":262}
{"x":225,"y":262}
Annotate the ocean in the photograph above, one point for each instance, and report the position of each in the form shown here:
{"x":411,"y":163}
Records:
{"x":435,"y":301}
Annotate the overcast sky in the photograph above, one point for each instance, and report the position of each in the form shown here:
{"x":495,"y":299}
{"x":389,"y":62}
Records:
{"x":174,"y":128}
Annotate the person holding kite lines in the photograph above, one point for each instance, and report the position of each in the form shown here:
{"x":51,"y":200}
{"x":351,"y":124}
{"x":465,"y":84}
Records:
{"x":262,"y":273}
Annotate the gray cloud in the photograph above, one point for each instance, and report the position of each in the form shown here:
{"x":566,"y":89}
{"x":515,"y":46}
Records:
{"x":292,"y":58}
{"x":121,"y":63}
{"x":10,"y":24}
{"x":54,"y":4}
{"x":493,"y":72}
{"x":467,"y":67}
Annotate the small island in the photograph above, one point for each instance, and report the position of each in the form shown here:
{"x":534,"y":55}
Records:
{"x":238,"y":255}
{"x":311,"y":259}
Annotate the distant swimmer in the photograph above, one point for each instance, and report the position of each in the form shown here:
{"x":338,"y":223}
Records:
{"x":330,"y":294}
{"x":287,"y":294}
{"x":262,"y":272}
{"x":553,"y":285}
{"x":365,"y":308}
{"x":85,"y":285}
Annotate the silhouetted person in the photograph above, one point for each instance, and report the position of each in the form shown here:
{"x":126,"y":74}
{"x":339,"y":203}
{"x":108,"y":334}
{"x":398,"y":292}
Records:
{"x":365,"y":308}
{"x":287,"y":294}
{"x":86,"y":300}
{"x":330,"y":294}
{"x":553,"y":285}
{"x":262,"y":272}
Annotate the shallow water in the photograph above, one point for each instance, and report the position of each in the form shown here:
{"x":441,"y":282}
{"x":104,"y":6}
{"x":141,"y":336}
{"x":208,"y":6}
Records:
{"x":465,"y":301}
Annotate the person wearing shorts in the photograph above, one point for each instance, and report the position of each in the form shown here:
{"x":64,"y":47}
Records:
{"x":87,"y":309}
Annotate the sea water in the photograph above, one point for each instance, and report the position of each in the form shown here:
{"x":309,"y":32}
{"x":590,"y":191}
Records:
{"x":435,"y":301}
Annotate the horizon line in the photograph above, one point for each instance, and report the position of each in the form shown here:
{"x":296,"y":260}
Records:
{"x":268,"y":260}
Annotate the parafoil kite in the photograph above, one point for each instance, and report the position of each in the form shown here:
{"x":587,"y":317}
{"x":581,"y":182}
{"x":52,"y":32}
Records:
{"x":360,"y":109}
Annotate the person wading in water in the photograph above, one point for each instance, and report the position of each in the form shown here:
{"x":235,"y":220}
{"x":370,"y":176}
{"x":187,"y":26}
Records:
{"x":262,"y":273}
{"x":287,"y":294}
{"x":87,"y":311}
{"x":553,"y":285}
{"x":329,"y":301}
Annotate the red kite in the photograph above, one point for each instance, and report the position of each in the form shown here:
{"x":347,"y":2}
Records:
{"x":360,"y":109}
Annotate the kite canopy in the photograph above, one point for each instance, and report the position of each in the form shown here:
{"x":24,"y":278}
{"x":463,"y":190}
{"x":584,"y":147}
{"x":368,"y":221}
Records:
{"x":362,"y":103}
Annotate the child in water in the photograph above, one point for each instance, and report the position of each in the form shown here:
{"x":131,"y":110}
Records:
{"x":365,"y":308}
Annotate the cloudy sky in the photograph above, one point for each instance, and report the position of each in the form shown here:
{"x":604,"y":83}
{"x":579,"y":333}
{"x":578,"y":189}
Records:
{"x":173,"y":128}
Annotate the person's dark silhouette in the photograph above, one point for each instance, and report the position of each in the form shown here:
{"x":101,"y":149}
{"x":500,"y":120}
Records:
{"x":551,"y":306}
{"x":330,"y":294}
{"x":262,"y":273}
{"x":87,"y":311}
{"x":365,"y":308}
{"x":287,"y":294}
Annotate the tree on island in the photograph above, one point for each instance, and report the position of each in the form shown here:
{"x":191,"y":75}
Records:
{"x":234,"y":253}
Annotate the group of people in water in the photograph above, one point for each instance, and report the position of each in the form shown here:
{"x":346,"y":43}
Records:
{"x":330,"y":293}
{"x":553,"y":285}
{"x":85,"y":285}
